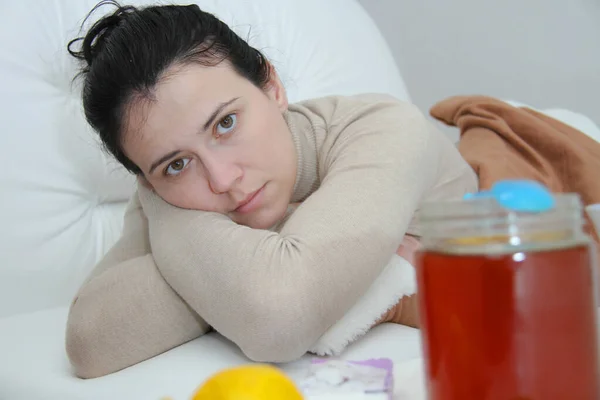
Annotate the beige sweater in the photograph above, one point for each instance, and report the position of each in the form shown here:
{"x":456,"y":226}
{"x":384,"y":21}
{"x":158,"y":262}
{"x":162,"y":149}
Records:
{"x":365,"y":164}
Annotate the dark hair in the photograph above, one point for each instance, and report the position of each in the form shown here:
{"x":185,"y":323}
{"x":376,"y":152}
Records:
{"x":127,"y":52}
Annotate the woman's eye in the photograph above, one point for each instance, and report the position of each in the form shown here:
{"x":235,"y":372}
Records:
{"x":177,"y":166}
{"x":226,"y":125}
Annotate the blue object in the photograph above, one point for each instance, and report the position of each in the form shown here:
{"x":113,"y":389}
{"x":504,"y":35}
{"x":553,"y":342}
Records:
{"x":518,"y":195}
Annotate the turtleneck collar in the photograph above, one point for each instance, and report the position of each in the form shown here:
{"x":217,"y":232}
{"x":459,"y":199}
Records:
{"x":303,"y":135}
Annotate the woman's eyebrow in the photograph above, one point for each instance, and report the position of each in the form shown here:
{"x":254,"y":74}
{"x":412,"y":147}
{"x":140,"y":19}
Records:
{"x":220,"y":108}
{"x":163,"y":159}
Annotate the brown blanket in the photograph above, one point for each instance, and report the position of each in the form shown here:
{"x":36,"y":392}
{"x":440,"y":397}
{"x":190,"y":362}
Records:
{"x":500,"y":141}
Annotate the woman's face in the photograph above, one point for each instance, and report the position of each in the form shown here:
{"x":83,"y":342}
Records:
{"x":210,"y":140}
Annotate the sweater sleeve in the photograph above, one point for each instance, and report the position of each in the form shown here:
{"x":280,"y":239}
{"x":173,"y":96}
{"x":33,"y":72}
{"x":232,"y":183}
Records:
{"x":125,"y":312}
{"x":275,"y":294}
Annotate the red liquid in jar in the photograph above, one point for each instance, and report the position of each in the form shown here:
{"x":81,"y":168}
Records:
{"x":509,"y":326}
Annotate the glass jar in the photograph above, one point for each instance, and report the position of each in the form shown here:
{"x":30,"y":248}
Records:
{"x":507,"y":302}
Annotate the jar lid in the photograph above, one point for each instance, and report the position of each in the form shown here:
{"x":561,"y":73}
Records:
{"x":512,"y":213}
{"x":518,"y":195}
{"x":524,"y":198}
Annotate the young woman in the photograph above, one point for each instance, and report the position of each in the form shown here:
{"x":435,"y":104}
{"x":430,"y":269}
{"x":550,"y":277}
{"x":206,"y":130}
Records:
{"x":276,"y":224}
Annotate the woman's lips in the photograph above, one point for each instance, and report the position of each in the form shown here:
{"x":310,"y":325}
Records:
{"x":251,"y":202}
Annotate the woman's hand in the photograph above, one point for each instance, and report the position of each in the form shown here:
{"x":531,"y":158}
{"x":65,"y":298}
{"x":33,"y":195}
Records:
{"x":406,"y":311}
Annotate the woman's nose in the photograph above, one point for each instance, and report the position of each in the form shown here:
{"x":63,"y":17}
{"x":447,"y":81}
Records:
{"x":221,"y":174}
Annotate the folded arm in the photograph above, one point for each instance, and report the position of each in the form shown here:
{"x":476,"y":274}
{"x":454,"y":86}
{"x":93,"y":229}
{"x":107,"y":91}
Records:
{"x":406,"y":311}
{"x":275,"y":294}
{"x":126,"y":312}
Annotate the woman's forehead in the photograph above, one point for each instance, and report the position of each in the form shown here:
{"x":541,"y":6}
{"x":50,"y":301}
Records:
{"x":190,"y":92}
{"x":180,"y":105}
{"x":198,"y":83}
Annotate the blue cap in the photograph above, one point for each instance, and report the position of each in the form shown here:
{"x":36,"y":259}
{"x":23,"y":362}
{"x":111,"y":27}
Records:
{"x":518,"y":195}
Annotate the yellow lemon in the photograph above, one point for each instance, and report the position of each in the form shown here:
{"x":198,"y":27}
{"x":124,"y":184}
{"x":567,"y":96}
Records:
{"x":249,"y":382}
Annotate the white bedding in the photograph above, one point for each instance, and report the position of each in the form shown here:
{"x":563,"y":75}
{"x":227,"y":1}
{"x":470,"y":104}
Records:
{"x":576,"y":120}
